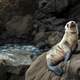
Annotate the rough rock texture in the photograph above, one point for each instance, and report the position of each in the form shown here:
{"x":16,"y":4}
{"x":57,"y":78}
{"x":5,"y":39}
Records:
{"x":15,"y":17}
{"x":19,"y":25}
{"x":3,"y":73}
{"x":12,"y":72}
{"x":52,"y":15}
{"x":46,"y":15}
{"x":41,"y":17}
{"x":45,"y":40}
{"x":39,"y":71}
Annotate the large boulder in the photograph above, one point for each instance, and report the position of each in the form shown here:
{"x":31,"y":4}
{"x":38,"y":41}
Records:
{"x":39,"y":70}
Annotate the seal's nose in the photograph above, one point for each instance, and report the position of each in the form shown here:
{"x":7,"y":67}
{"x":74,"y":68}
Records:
{"x":72,"y":24}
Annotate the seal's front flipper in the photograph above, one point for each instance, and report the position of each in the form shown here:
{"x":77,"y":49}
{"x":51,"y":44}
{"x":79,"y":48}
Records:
{"x":57,"y":70}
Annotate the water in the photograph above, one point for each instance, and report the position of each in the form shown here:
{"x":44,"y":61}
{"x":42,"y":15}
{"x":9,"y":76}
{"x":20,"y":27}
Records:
{"x":15,"y":54}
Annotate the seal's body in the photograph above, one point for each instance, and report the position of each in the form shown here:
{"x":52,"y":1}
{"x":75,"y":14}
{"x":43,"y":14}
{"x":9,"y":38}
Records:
{"x":63,"y":50}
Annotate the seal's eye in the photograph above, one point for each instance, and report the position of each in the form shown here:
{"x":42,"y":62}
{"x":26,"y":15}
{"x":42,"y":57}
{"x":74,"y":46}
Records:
{"x":67,"y":25}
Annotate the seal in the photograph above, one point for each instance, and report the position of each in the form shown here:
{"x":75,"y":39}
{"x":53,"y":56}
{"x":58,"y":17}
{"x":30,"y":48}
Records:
{"x":63,"y":50}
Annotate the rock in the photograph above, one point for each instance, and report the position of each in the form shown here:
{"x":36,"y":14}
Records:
{"x":3,"y":72}
{"x":47,"y":6}
{"x":16,"y":77}
{"x":19,"y":25}
{"x":10,"y":12}
{"x":10,"y":71}
{"x":39,"y":70}
{"x":74,"y":68}
{"x":45,"y":40}
{"x":40,"y":40}
{"x":10,"y":8}
{"x":40,"y":36}
{"x":54,"y":38}
{"x":15,"y":60}
{"x":13,"y":74}
{"x":47,"y":16}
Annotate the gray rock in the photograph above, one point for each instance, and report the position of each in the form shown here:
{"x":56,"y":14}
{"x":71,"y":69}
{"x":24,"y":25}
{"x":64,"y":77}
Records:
{"x":45,"y":40}
{"x":54,"y":38}
{"x":19,"y":25}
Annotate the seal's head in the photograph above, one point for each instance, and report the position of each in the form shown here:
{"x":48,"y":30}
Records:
{"x":72,"y":27}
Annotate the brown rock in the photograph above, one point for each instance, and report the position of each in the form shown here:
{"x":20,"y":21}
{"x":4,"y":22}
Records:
{"x":39,"y":71}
